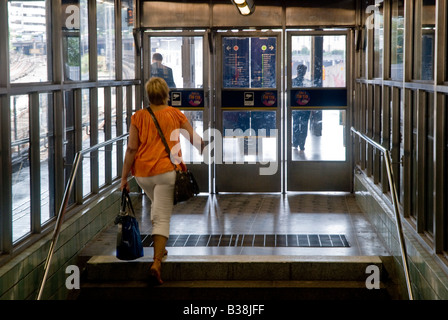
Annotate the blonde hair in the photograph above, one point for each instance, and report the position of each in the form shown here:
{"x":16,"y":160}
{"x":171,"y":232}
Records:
{"x":157,"y":91}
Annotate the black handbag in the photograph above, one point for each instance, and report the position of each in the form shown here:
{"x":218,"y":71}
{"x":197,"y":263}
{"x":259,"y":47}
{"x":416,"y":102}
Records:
{"x":185,"y":186}
{"x":129,"y":241}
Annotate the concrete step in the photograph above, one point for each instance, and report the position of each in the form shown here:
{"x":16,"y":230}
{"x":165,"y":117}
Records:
{"x":234,"y":278}
{"x":236,"y":267}
{"x":232,"y":290}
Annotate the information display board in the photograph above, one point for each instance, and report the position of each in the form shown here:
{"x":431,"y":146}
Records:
{"x":235,"y":62}
{"x":263,"y":62}
{"x":249,"y":62}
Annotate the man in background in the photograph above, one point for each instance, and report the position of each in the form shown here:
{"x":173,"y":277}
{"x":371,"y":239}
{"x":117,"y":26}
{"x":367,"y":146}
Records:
{"x":300,"y":118}
{"x":162,"y":71}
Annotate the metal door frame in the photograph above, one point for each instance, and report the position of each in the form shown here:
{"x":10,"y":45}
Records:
{"x":200,"y":170}
{"x":234,"y":177}
{"x":318,"y":175}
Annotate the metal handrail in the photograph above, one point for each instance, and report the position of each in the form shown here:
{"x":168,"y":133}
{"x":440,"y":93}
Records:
{"x":78,"y":157}
{"x":387,"y":158}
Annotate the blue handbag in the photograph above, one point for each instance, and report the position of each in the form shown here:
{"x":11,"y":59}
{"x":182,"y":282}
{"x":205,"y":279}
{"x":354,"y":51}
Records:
{"x":129,"y":241}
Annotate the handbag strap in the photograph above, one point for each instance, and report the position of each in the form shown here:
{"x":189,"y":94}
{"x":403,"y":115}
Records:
{"x":126,"y":201}
{"x":167,"y":148}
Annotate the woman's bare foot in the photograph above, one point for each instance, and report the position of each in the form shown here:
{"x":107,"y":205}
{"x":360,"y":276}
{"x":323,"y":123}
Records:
{"x":156,"y":270}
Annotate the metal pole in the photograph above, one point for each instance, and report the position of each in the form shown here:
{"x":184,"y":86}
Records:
{"x":393,"y":189}
{"x":62,"y":209}
{"x":399,"y":225}
{"x":57,"y":228}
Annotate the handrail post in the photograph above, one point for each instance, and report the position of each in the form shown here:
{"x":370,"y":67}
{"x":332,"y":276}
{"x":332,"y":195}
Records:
{"x":393,"y":189}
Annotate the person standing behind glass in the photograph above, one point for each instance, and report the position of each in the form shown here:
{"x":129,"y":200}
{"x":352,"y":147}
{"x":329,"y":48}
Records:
{"x":300,"y":118}
{"x":147,"y":160}
{"x":162,"y":71}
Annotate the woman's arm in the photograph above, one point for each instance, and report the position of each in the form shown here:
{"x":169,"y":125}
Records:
{"x":194,"y":138}
{"x":129,"y":156}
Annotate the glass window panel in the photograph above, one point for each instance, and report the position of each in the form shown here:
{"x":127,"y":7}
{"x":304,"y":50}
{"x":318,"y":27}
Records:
{"x":106,"y":39}
{"x":397,"y":38}
{"x":86,"y":183}
{"x":113,"y":106}
{"x":401,"y":132}
{"x":27,"y":41}
{"x":318,"y":61}
{"x":378,"y":38}
{"x":69,"y":139}
{"x":113,"y":109}
{"x":178,"y":60}
{"x":429,"y":167}
{"x":189,"y":153}
{"x":127,"y":25}
{"x":115,"y":172}
{"x":424,"y":63}
{"x":46,"y":145}
{"x":124,"y":111}
{"x":101,"y":137}
{"x":102,"y":166}
{"x":101,"y":119}
{"x":445,"y":181}
{"x":20,"y":161}
{"x":75,"y":40}
{"x":414,"y":155}
{"x":248,"y":138}
{"x":318,"y":135}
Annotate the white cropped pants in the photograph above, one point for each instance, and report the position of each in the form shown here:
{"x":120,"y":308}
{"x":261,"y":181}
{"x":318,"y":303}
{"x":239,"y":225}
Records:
{"x":159,"y":189}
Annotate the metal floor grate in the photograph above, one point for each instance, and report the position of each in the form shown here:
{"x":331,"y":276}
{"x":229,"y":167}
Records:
{"x":252,"y":240}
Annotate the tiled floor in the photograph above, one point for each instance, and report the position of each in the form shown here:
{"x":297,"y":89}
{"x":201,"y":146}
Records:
{"x":296,"y":213}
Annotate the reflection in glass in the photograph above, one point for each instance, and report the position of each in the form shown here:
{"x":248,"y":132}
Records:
{"x":397,"y":33}
{"x":20,"y":161}
{"x":322,"y":58}
{"x":319,"y":133}
{"x":106,"y":39}
{"x":180,"y":57}
{"x":247,"y":136}
{"x":27,"y":41}
{"x":189,"y":153}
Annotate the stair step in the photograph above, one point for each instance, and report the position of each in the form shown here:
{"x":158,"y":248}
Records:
{"x":231,"y":290}
{"x":236,"y":277}
{"x":234,"y":268}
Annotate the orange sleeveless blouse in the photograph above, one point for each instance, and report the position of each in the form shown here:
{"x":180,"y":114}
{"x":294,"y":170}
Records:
{"x":151,"y":157}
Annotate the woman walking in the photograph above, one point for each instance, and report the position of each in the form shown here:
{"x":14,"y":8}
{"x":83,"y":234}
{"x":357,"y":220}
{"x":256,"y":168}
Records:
{"x":147,"y":160}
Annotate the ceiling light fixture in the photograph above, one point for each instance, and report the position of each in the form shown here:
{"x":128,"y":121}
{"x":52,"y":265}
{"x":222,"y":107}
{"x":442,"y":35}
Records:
{"x":245,"y":7}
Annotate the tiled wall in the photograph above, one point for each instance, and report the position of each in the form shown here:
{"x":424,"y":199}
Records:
{"x":21,"y":277}
{"x":429,"y":277}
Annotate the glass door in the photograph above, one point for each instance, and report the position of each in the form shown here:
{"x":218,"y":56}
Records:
{"x":248,"y":112}
{"x":317,"y":112}
{"x":179,"y":59}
